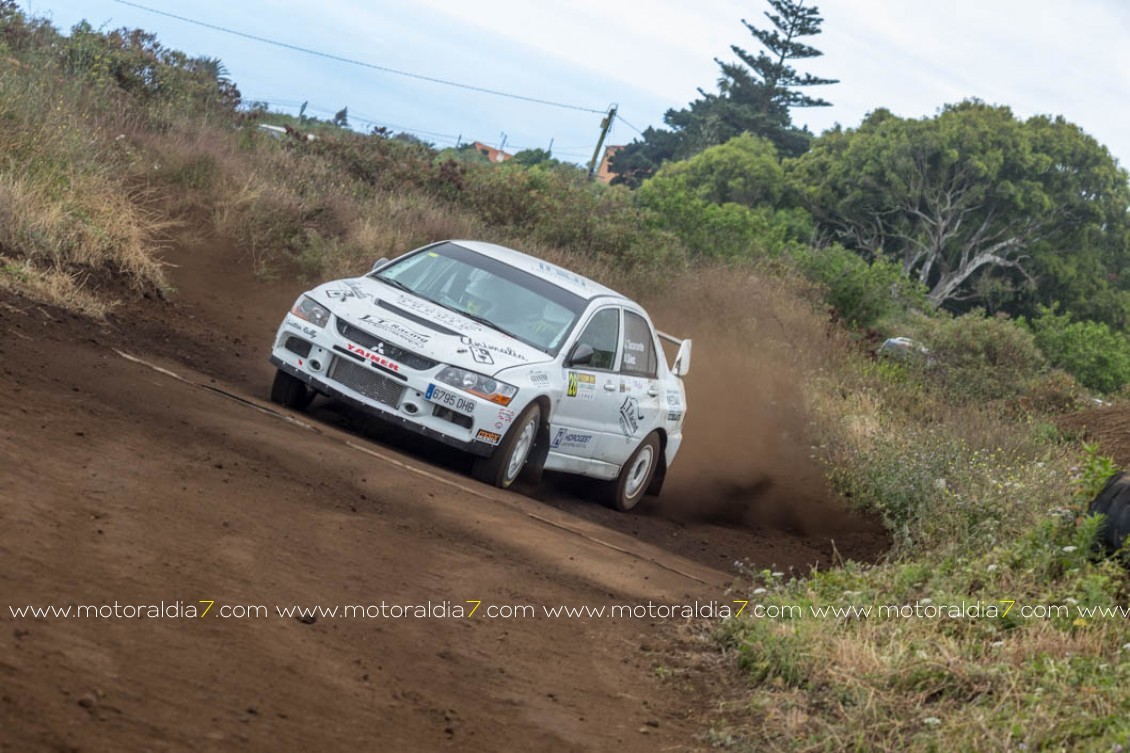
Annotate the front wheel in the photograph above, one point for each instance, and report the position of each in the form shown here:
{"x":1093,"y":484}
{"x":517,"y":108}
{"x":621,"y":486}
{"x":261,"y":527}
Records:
{"x":504,"y":465}
{"x":628,"y":489}
{"x":290,"y":391}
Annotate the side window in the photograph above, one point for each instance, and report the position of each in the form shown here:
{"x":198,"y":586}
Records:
{"x":603,"y":334}
{"x":639,"y":347}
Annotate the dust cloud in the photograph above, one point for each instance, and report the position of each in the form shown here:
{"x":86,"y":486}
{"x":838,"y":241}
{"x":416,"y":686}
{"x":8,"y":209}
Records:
{"x":746,"y":460}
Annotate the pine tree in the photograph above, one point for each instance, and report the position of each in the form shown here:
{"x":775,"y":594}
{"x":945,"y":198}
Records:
{"x":754,"y":95}
{"x":780,"y":81}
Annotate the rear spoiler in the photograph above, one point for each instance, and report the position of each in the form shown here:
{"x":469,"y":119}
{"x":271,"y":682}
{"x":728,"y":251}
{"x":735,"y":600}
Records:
{"x":682,"y":364}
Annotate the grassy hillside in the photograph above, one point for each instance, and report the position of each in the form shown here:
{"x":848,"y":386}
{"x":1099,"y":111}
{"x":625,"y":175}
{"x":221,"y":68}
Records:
{"x":112,"y":147}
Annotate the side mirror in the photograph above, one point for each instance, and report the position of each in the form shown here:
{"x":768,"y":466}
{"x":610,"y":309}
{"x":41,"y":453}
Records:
{"x":581,"y":356}
{"x":378,"y":264}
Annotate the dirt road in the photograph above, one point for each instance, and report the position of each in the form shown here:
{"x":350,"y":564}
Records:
{"x":126,"y":484}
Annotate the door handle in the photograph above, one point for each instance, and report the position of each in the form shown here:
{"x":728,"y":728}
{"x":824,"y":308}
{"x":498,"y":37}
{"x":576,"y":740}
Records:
{"x":653,"y":391}
{"x":610,"y":386}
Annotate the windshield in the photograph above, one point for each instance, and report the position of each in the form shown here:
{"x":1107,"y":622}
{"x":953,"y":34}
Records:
{"x":515,"y":302}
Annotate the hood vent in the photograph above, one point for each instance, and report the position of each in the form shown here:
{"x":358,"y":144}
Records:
{"x":418,"y":319}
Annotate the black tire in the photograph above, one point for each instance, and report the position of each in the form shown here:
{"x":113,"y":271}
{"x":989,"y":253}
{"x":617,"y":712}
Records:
{"x":504,"y":466}
{"x":1113,"y":502}
{"x":290,"y":391}
{"x":635,"y":477}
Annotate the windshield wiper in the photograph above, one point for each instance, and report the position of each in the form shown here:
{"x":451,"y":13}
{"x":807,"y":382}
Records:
{"x":396,"y":284}
{"x":483,"y":320}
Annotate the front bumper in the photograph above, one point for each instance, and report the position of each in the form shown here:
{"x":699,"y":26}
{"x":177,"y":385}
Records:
{"x":331,"y":390}
{"x":337,"y":367}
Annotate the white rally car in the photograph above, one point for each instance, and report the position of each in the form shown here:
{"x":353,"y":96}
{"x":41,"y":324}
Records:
{"x":524,"y":364}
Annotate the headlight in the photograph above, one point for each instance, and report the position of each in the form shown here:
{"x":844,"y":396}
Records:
{"x":310,"y":310}
{"x":478,"y":385}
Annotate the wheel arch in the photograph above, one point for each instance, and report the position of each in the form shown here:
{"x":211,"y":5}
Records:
{"x":535,"y":464}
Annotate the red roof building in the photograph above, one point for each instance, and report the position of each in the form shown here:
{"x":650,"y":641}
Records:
{"x":492,"y":154}
{"x":603,"y":174}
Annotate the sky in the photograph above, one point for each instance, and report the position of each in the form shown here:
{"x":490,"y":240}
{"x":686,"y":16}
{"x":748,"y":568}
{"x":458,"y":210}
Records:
{"x":1051,"y":57}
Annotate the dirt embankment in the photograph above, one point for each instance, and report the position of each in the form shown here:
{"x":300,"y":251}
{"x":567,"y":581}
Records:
{"x":1108,"y":426}
{"x":122,"y":484}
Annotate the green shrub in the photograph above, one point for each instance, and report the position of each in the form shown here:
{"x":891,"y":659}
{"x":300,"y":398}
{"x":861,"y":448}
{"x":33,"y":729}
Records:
{"x":978,"y":357}
{"x":725,"y":203}
{"x":1095,"y":354}
{"x":859,"y":292}
{"x":937,"y":492}
{"x":721,"y":231}
{"x":381,"y":163}
{"x":1093,"y":473}
{"x":558,"y":206}
{"x":1052,"y":393}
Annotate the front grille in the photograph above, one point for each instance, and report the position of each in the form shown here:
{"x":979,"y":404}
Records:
{"x":298,"y":346}
{"x":365,"y":380}
{"x":373,"y":343}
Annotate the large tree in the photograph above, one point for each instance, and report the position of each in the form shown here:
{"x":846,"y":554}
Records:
{"x":974,"y":202}
{"x":754,"y":95}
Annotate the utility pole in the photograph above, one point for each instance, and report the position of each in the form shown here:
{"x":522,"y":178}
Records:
{"x":604,"y":126}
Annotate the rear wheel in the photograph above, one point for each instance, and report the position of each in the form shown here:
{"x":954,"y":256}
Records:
{"x":290,"y":391}
{"x":628,"y":489}
{"x":504,"y":466}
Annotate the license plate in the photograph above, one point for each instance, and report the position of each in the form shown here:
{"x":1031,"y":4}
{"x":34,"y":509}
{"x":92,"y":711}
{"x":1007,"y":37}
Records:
{"x":450,"y":400}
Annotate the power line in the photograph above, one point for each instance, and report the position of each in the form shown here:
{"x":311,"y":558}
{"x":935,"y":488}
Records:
{"x":629,"y":125}
{"x":351,"y":61}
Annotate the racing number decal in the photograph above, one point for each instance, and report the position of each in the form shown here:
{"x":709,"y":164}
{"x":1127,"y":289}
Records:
{"x":581,"y":386}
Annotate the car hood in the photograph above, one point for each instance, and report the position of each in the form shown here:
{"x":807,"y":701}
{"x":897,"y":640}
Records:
{"x":418,"y":325}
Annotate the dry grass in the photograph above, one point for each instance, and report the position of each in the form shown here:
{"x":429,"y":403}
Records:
{"x":93,"y":225}
{"x":53,"y":287}
{"x":67,"y":212}
{"x":388,"y":224}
